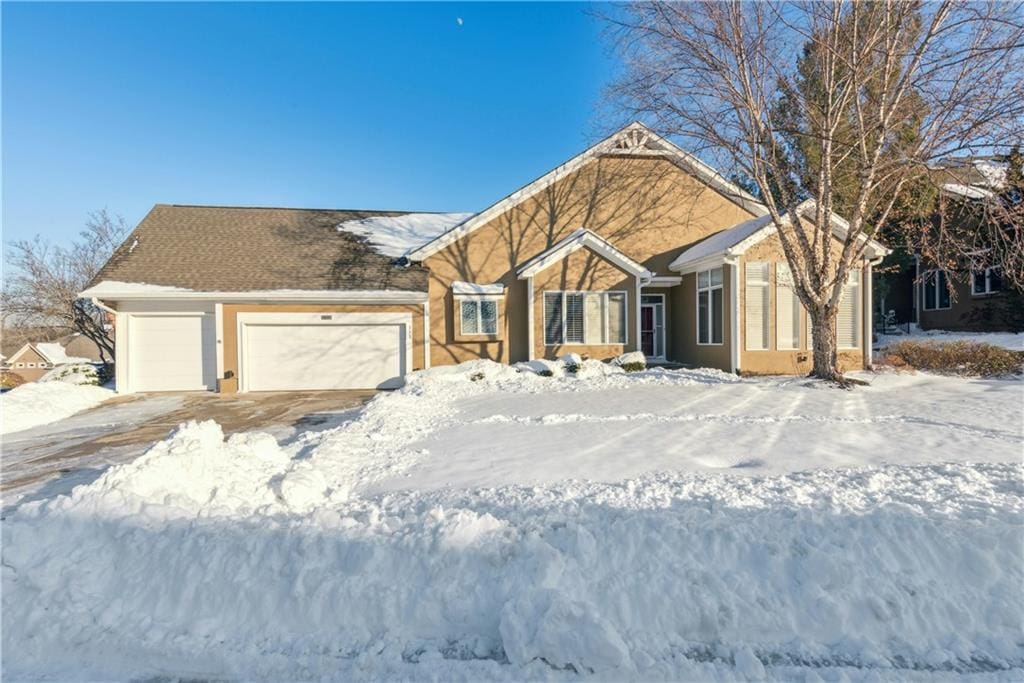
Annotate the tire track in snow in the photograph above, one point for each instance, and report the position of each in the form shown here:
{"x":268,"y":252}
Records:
{"x":575,"y":418}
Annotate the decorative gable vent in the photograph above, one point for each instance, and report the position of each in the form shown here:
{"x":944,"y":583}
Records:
{"x":635,"y":139}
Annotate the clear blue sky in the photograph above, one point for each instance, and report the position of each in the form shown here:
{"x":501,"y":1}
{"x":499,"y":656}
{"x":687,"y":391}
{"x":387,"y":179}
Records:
{"x":314,"y":105}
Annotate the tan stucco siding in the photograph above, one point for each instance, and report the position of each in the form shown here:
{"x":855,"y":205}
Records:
{"x":784,"y":361}
{"x":583,"y":270}
{"x":684,"y":326}
{"x":26,"y":373}
{"x":229,"y":328}
{"x":648,"y":208}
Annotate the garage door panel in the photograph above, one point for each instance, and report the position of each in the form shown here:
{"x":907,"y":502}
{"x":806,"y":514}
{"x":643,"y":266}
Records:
{"x":314,"y":356}
{"x":172,"y":352}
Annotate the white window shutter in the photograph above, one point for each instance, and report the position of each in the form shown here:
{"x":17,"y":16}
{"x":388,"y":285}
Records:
{"x":848,"y":322}
{"x":757,"y":306}
{"x":787,"y":310}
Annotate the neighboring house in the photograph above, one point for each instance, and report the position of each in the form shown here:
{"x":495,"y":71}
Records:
{"x":33,"y":360}
{"x":973,"y":297}
{"x":633,"y":244}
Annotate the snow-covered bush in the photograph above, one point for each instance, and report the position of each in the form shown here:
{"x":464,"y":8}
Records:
{"x":634,"y":361}
{"x":76,"y":373}
{"x":964,"y":358}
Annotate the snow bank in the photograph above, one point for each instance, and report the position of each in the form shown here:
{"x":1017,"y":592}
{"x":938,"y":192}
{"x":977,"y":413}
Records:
{"x":39,"y":403}
{"x":398,"y":235}
{"x":1008,"y":340}
{"x":245,"y":559}
{"x":677,"y":576}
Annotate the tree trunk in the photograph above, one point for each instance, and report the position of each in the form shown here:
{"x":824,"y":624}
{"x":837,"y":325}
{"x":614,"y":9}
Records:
{"x":825,"y":346}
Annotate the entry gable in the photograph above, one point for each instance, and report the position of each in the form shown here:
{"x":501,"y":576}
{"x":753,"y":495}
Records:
{"x":635,"y":140}
{"x":579,"y":239}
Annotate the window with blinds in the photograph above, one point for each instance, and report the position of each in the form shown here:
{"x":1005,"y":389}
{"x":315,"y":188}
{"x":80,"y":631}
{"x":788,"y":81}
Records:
{"x":848,"y":320}
{"x":788,"y":310}
{"x":757,"y":306}
{"x":584,"y":318}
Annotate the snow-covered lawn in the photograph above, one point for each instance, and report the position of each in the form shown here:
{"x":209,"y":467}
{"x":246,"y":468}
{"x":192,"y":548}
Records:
{"x":1008,"y":340}
{"x":484,"y":523}
{"x":39,"y":403}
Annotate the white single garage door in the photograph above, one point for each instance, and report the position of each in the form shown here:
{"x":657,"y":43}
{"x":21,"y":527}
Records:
{"x":338,"y":352}
{"x":172,"y":352}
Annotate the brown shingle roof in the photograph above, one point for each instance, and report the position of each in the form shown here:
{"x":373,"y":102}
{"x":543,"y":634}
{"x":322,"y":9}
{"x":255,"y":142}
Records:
{"x":235,"y":249}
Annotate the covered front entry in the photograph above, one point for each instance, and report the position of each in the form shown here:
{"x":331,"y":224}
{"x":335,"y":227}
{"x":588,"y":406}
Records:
{"x":652,"y":325}
{"x":302,"y":351}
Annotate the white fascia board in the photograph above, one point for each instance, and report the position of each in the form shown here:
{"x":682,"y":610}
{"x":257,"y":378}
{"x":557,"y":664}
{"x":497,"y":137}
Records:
{"x":579,"y":239}
{"x":670,"y":150}
{"x":290,"y":295}
{"x":706,"y":263}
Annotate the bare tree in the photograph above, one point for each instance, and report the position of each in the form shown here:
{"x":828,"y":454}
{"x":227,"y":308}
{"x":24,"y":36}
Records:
{"x":896,"y":85}
{"x":43,"y":281}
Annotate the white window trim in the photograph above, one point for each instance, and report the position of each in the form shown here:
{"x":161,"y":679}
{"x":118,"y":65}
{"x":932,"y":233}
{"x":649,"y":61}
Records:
{"x":19,"y":365}
{"x":563,"y":292}
{"x":988,"y":282}
{"x":935,"y":284}
{"x":709,"y":288}
{"x":479,"y":316}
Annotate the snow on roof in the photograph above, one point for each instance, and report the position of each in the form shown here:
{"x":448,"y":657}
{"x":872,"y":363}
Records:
{"x":474,"y":288}
{"x":57,"y":355}
{"x":107,"y":287}
{"x":722,"y":241}
{"x":994,"y":172}
{"x":968,"y":191}
{"x":396,"y":236}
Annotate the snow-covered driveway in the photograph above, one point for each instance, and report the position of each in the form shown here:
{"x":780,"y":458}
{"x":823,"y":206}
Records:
{"x":484,"y":523}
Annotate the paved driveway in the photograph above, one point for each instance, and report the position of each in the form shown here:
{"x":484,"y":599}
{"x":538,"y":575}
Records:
{"x":51,"y":459}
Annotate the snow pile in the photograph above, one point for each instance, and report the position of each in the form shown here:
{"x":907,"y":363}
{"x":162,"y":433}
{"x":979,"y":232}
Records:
{"x":246,"y":559}
{"x":1007,"y":340}
{"x":57,"y":354}
{"x":663,"y":577}
{"x":398,"y":235}
{"x":39,"y":403}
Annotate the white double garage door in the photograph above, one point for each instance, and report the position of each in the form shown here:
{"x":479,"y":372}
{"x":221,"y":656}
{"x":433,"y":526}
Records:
{"x":181,"y":351}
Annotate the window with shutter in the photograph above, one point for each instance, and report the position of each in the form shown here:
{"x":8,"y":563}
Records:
{"x":757,"y":306}
{"x":848,"y":320}
{"x":573,"y":318}
{"x":788,"y":310}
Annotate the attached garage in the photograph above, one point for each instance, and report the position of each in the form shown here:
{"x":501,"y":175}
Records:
{"x":323,"y":351}
{"x":172,"y":351}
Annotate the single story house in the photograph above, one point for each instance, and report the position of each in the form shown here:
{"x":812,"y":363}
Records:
{"x":634,"y":244}
{"x":34,"y":359}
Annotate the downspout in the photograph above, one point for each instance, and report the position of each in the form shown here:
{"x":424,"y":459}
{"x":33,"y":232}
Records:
{"x":120,"y":346}
{"x":869,"y":311}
